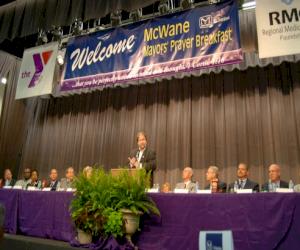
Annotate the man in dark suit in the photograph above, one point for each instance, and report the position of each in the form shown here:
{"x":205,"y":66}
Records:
{"x":274,"y":180}
{"x":54,"y":183}
{"x":143,"y":157}
{"x":243,"y":182}
{"x":212,"y":175}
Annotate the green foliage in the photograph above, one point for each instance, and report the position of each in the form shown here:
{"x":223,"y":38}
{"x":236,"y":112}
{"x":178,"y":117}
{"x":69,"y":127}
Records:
{"x":99,"y":199}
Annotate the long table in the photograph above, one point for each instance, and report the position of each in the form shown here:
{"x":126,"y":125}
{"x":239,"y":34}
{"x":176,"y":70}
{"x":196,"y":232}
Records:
{"x":258,"y":221}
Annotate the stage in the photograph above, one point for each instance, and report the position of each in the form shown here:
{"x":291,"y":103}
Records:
{"x":258,"y":221}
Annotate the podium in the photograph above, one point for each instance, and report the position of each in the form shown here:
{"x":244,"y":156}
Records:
{"x":117,"y":171}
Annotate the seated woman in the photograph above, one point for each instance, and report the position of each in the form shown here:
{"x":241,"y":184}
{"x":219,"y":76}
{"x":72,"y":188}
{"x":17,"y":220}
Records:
{"x":7,"y":179}
{"x":34,"y":181}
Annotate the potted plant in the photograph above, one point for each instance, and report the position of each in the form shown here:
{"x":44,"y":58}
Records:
{"x":106,"y":205}
{"x":130,"y":197}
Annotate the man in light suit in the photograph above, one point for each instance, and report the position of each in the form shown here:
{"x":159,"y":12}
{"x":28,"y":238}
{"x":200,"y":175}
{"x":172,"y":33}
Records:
{"x":274,"y":180}
{"x":68,"y":182}
{"x":143,"y":157}
{"x":243,"y":182}
{"x":187,"y":183}
{"x":212,"y":175}
{"x":26,"y":178}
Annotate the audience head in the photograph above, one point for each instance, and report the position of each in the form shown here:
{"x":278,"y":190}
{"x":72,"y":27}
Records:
{"x":87,"y":171}
{"x":7,"y":174}
{"x":70,"y":173}
{"x":274,"y":172}
{"x":242,"y":171}
{"x":27,"y":173}
{"x":187,"y":173}
{"x":53,"y":174}
{"x":212,"y":173}
{"x":166,"y":188}
{"x":141,"y":139}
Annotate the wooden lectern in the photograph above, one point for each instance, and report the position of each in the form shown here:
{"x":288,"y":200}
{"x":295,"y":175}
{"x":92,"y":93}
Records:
{"x":118,"y":171}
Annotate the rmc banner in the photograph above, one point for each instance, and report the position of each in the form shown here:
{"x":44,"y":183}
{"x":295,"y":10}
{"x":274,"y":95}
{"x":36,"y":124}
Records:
{"x":185,"y":41}
{"x":278,"y":27}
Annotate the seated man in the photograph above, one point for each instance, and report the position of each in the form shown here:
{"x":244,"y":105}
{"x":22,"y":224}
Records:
{"x":243,"y":182}
{"x":212,"y":174}
{"x":34,"y":180}
{"x":26,"y":178}
{"x":7,"y":179}
{"x":54,"y":183}
{"x":274,"y":180}
{"x":68,"y":182}
{"x":187,"y":183}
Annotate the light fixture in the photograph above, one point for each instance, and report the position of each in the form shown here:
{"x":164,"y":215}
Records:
{"x":213,"y":1}
{"x":57,"y":33}
{"x":135,"y":15}
{"x":77,"y":27}
{"x":116,"y":18}
{"x":42,"y":37}
{"x":61,"y":56}
{"x":249,"y":5}
{"x":164,"y":7}
{"x":187,"y":4}
{"x":3,"y":80}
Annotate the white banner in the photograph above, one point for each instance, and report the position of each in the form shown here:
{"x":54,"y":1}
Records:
{"x":278,"y":27}
{"x":37,"y":71}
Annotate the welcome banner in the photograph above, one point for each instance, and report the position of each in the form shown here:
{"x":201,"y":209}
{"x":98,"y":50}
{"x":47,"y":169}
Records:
{"x":37,"y":71}
{"x":185,"y":41}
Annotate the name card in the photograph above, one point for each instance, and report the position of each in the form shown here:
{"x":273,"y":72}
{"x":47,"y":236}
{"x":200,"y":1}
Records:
{"x":7,"y":187}
{"x":152,"y":190}
{"x":204,"y":191}
{"x":47,"y":189}
{"x":244,"y":191}
{"x":181,"y":191}
{"x":284,"y":190}
{"x":32,"y":189}
{"x":17,"y":187}
{"x":71,"y":190}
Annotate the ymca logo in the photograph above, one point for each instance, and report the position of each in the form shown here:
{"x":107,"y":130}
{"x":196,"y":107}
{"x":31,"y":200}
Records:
{"x":288,"y":2}
{"x":40,"y":60}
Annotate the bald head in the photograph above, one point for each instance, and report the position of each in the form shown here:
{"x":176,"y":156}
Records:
{"x":274,"y":172}
{"x":187,"y":174}
{"x":212,"y":173}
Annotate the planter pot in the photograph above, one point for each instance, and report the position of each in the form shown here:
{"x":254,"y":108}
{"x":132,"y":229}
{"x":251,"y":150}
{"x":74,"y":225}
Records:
{"x":83,"y":237}
{"x":132,"y":222}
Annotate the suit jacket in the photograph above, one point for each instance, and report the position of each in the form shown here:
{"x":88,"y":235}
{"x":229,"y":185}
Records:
{"x":191,"y":186}
{"x":148,"y":161}
{"x":148,"y":158}
{"x":222,"y":187}
{"x":55,"y":186}
{"x":12,"y":182}
{"x":64,"y":183}
{"x":248,"y":185}
{"x":265,"y":187}
{"x":23,"y":183}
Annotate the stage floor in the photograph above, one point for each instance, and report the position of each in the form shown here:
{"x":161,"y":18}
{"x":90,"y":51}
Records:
{"x":20,"y":242}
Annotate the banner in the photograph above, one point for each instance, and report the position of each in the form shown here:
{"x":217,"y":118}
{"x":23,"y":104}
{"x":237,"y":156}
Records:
{"x":186,"y":41}
{"x":37,"y":71}
{"x":278,"y":27}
